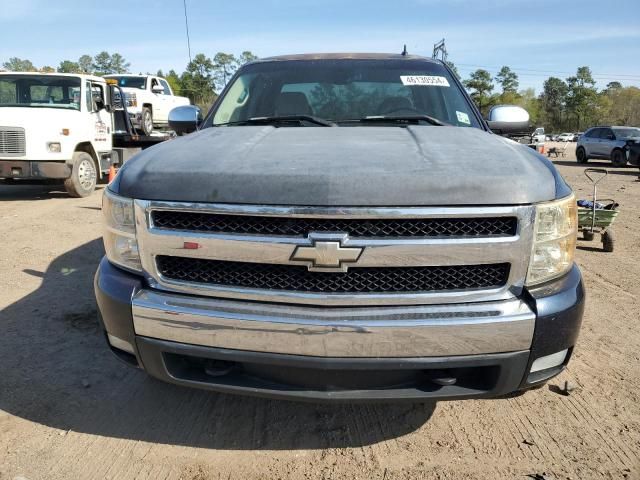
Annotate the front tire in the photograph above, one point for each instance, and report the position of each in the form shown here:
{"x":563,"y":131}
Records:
{"x":83,"y":179}
{"x":618,"y":159}
{"x":146,"y":121}
{"x":581,"y":155}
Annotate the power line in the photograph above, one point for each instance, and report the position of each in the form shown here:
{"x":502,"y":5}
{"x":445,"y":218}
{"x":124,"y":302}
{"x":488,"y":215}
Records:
{"x":186,"y":24}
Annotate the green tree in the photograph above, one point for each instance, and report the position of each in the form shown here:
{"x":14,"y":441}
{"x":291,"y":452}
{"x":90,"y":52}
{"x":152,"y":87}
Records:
{"x":225,"y":64}
{"x":246,"y":57}
{"x":582,"y":98}
{"x":453,"y":68}
{"x":479,"y":82}
{"x":85,"y":64}
{"x":15,"y":64}
{"x":553,"y":102}
{"x":174,"y":81}
{"x":102,"y":63}
{"x":47,"y":69}
{"x":105,"y":64}
{"x":67,"y":66}
{"x":119,"y":64}
{"x":197,"y":81}
{"x":508,"y":79}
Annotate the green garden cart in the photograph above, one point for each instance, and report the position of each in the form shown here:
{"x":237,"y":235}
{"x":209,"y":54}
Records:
{"x":599,"y":217}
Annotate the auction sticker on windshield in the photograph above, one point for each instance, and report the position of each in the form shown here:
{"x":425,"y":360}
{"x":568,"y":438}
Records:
{"x":426,"y":80}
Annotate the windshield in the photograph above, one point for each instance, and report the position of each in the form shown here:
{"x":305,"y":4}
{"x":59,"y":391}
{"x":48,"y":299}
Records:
{"x":344,"y":90}
{"x":626,"y":132}
{"x":40,"y":91}
{"x":130,"y":82}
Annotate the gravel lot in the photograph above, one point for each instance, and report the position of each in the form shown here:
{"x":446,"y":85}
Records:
{"x":68,"y":409}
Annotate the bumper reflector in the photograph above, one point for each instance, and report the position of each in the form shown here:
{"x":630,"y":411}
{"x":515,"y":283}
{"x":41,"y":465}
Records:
{"x":548,"y":361}
{"x":120,"y":344}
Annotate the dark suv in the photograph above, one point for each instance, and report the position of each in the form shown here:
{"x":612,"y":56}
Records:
{"x":609,"y":143}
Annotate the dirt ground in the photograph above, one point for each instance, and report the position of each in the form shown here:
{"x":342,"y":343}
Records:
{"x":68,"y":409}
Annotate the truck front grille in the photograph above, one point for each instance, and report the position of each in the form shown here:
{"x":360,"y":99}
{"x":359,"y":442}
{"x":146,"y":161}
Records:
{"x":355,"y":227}
{"x":12,"y":141}
{"x":356,"y":280}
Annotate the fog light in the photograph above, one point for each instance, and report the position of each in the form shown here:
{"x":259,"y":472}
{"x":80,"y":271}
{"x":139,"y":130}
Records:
{"x":548,"y":361}
{"x":120,"y":344}
{"x":54,"y":147}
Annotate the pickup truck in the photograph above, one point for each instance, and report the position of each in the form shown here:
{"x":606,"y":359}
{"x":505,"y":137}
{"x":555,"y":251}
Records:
{"x":149,"y":100}
{"x":57,"y":127}
{"x":342,"y":227}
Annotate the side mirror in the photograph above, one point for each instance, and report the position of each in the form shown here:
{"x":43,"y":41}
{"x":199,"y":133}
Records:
{"x":185,"y":119}
{"x":157,"y":89}
{"x":503,"y":119}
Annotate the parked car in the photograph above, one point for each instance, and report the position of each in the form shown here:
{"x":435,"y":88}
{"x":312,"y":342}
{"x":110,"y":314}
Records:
{"x":565,"y":137}
{"x":576,"y":136}
{"x":343,"y":227}
{"x":149,"y":100}
{"x":608,"y":143}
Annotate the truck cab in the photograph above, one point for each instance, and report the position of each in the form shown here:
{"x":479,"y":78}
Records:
{"x":55,"y":127}
{"x":149,"y":100}
{"x":343,"y":227}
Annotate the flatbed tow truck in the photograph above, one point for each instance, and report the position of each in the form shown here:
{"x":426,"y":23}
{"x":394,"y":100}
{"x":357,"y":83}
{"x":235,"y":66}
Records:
{"x":68,"y":128}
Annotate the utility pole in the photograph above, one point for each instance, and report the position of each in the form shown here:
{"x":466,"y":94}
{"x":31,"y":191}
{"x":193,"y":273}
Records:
{"x":440,"y":50}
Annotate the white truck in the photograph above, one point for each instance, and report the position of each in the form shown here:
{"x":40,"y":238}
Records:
{"x":149,"y":100}
{"x":58,"y":127}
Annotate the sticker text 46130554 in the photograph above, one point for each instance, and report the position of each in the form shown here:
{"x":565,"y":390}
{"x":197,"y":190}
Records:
{"x":424,"y":80}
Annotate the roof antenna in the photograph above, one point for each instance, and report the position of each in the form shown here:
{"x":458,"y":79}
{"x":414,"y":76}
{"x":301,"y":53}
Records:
{"x":404,"y":51}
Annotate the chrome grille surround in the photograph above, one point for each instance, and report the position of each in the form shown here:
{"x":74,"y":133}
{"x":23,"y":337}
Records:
{"x":12,"y":142}
{"x":378,"y":252}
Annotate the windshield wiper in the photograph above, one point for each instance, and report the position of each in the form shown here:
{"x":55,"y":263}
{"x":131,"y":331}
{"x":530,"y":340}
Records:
{"x":402,"y":119}
{"x":282,"y":118}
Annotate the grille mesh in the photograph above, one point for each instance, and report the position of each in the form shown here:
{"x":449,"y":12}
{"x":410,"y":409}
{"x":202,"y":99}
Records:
{"x":12,"y":141}
{"x":299,"y":227}
{"x":356,"y":280}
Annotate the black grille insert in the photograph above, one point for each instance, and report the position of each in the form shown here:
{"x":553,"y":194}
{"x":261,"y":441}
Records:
{"x":355,"y":227}
{"x":356,"y":280}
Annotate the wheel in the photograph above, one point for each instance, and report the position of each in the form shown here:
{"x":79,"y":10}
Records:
{"x":588,"y":235}
{"x":618,"y":158}
{"x":147,"y":121}
{"x":581,"y":155}
{"x":82,"y":181}
{"x":608,"y":241}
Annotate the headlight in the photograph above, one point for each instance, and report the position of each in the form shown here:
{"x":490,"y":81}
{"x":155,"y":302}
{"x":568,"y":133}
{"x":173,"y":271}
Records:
{"x":120,"y":231}
{"x":54,"y":147}
{"x":554,"y":244}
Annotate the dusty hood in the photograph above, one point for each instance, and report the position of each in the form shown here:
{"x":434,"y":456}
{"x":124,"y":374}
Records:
{"x":342,"y":166}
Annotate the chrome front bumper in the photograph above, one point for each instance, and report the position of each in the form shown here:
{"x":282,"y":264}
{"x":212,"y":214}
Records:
{"x":409,"y":331}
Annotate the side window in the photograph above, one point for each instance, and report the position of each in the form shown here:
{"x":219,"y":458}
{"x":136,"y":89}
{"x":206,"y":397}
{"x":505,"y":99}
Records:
{"x":89,"y":97}
{"x":165,"y":85}
{"x":606,"y":134}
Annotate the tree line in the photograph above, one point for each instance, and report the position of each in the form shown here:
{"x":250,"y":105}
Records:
{"x":570,"y":104}
{"x":202,"y":78}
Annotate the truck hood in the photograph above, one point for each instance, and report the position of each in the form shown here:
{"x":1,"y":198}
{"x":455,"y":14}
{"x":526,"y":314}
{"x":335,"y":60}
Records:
{"x":35,"y":118}
{"x":342,"y":166}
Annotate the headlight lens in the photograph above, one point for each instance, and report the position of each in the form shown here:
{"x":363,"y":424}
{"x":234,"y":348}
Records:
{"x":554,"y":245}
{"x":120,"y":231}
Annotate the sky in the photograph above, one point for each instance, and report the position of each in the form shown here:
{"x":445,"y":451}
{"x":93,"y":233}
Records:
{"x":536,"y":38}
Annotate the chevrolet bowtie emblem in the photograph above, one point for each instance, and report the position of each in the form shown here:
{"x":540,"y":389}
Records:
{"x":327,"y":255}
